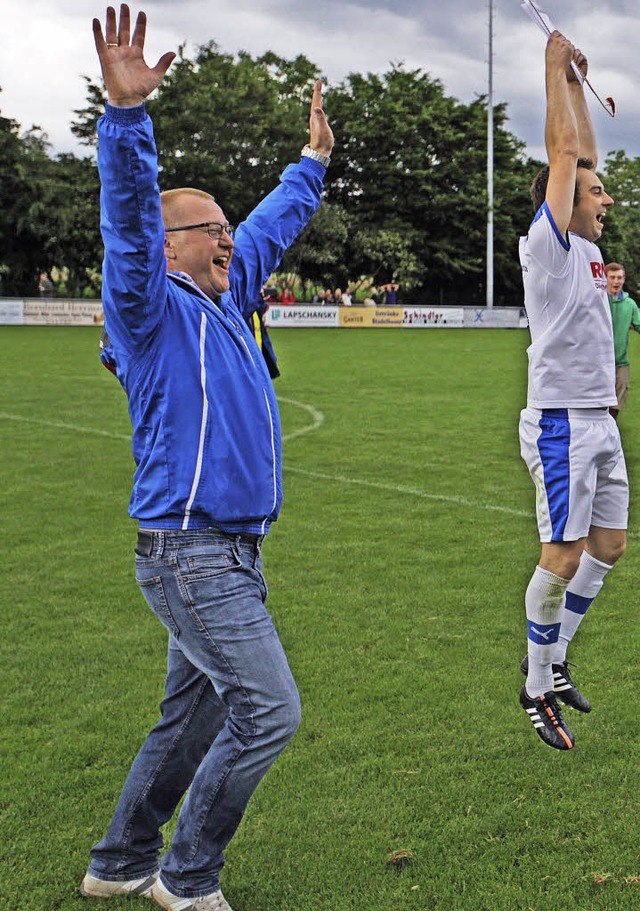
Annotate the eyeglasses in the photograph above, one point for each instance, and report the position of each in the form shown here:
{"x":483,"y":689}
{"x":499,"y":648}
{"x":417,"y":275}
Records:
{"x":214,"y":229}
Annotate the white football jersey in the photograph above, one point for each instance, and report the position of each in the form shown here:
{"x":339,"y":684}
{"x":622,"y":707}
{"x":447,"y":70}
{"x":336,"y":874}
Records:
{"x":571,"y":358}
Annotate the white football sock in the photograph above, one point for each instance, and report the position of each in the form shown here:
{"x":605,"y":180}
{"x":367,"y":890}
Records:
{"x":544,"y":599}
{"x":582,"y":590}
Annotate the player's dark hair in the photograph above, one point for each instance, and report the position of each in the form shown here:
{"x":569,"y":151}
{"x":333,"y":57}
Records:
{"x":538,"y":189}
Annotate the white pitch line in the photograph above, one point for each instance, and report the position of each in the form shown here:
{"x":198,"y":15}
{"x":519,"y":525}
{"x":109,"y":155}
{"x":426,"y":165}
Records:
{"x":410,"y":491}
{"x":101,"y":376}
{"x":318,"y":418}
{"x":61,"y":425}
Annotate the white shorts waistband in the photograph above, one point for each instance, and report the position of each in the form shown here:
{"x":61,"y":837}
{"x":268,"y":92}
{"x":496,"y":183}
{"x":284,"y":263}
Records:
{"x":579,"y":414}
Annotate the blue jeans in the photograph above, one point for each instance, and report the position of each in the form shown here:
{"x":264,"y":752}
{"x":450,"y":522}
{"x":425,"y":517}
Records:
{"x":230,"y":708}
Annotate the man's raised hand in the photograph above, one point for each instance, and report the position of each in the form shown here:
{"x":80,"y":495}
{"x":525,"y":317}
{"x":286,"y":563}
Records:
{"x":320,"y":133}
{"x":127,"y":78}
{"x":560,"y":51}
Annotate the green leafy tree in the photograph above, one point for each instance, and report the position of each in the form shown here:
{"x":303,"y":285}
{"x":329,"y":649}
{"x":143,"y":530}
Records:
{"x":318,"y":255}
{"x":68,"y":211}
{"x":406,"y":197}
{"x":231,"y":125}
{"x":226,"y":125}
{"x":411,"y":159}
{"x":48,"y":215}
{"x":23,"y":168}
{"x":621,"y":237}
{"x":385,"y":252}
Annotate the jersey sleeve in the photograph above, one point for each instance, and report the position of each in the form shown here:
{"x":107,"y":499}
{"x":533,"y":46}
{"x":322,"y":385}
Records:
{"x":545,"y":244}
{"x":134,"y":277}
{"x":262,"y":240}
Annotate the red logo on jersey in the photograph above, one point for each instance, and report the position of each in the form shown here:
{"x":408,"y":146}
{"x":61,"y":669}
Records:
{"x":599,"y":276}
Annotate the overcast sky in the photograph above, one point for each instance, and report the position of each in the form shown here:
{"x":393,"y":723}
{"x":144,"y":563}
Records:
{"x":49,"y":46}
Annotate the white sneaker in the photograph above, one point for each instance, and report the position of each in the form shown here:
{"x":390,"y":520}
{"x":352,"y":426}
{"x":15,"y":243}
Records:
{"x":93,"y":887}
{"x":213,"y":902}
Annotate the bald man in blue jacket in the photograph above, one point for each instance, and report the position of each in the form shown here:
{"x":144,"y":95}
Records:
{"x":178,"y":285}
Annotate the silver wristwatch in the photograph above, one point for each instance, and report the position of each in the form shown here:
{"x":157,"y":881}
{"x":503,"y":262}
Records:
{"x":308,"y":152}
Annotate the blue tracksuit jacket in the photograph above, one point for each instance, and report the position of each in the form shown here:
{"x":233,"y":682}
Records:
{"x":206,"y":429}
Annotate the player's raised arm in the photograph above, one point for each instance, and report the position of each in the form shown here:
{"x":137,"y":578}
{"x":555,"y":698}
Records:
{"x":562,"y":136}
{"x":587,"y":146}
{"x":127,"y":78}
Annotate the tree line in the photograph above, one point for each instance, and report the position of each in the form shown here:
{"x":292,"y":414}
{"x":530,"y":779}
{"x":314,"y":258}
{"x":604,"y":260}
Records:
{"x":406,"y":198}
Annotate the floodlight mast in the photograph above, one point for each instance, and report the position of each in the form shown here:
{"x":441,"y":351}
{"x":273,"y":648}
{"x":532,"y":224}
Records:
{"x":490,"y":164}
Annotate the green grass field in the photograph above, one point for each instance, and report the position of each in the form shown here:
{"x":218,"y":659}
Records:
{"x":396,"y":573}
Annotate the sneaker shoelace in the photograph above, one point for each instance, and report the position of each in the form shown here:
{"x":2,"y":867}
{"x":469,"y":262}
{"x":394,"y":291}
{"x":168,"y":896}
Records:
{"x":566,"y":672}
{"x":550,"y":706}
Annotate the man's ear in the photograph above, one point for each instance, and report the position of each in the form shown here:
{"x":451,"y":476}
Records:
{"x":169,"y":249}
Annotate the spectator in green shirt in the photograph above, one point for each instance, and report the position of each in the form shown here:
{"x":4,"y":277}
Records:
{"x":625,"y":315}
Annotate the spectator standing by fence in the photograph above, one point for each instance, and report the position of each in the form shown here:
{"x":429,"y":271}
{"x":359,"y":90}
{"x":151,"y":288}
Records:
{"x":287,"y":296}
{"x":625,"y":316}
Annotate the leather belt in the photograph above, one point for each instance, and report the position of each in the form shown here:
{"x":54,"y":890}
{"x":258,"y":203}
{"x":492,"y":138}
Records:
{"x":145,"y":543}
